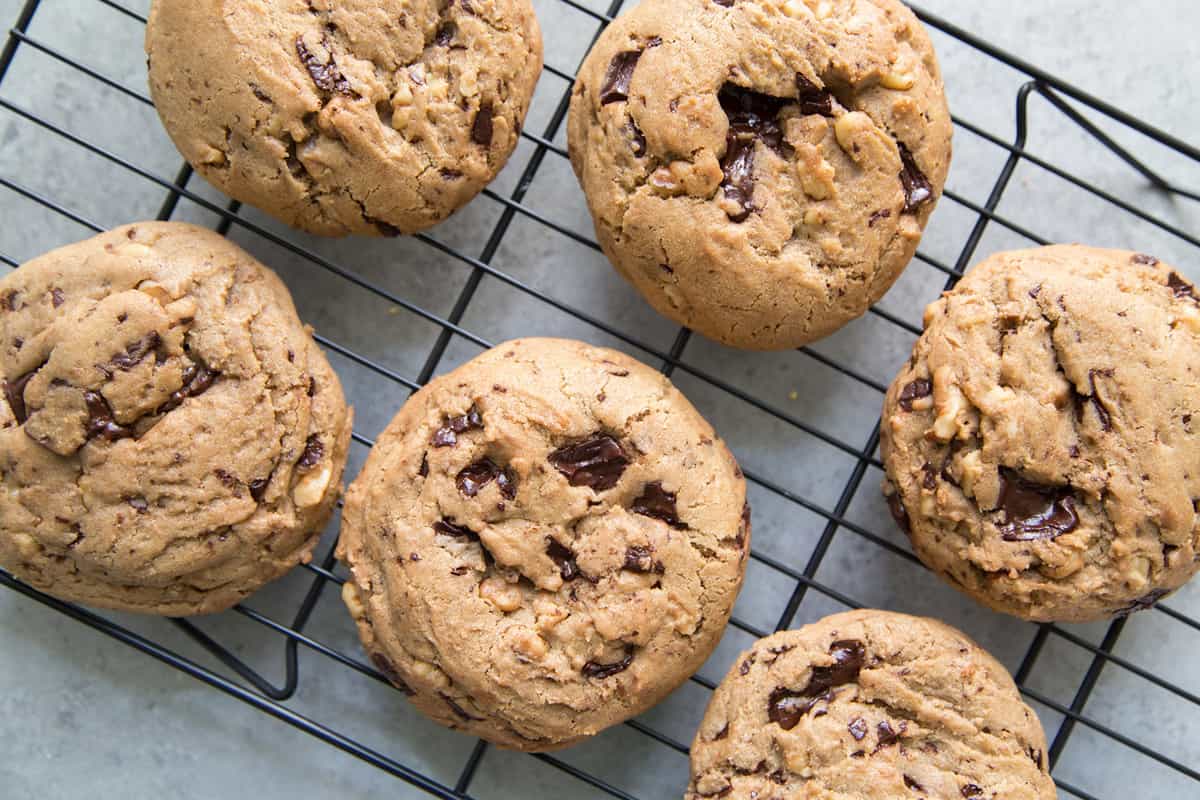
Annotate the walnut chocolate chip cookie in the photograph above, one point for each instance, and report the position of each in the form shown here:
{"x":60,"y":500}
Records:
{"x":761,"y":170}
{"x":1041,"y":444}
{"x":171,"y":437}
{"x":869,"y":704}
{"x":345,"y":117}
{"x":543,"y":543}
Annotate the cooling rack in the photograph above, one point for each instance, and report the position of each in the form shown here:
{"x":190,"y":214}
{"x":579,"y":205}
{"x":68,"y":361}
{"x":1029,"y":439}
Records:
{"x":1058,"y":668}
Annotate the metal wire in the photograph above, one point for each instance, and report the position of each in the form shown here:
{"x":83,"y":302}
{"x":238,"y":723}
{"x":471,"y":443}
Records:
{"x":1073,"y":103}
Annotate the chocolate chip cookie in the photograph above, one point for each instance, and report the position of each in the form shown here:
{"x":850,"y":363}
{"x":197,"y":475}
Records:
{"x":869,"y":704}
{"x":345,"y":117}
{"x":1041,"y":445}
{"x":761,"y":171}
{"x":543,"y":543}
{"x":171,"y":438}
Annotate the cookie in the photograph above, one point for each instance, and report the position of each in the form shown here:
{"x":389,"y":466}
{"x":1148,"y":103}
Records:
{"x":543,"y":543}
{"x":349,"y":117}
{"x":761,"y":171}
{"x":869,"y":704}
{"x":1040,"y":445}
{"x":171,"y":437}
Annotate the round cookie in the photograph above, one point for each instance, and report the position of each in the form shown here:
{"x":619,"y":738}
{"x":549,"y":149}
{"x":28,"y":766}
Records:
{"x":761,"y":171}
{"x":171,"y":437}
{"x":349,"y":117}
{"x":1040,"y":444}
{"x":869,"y":704}
{"x":543,"y":543}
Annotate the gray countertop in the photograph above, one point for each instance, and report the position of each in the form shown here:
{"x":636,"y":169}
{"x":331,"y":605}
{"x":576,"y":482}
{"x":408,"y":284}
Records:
{"x":82,"y":715}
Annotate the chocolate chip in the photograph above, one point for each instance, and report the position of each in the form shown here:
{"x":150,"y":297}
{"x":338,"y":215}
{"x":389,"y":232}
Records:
{"x":14,"y":393}
{"x":423,"y":470}
{"x":134,"y":353}
{"x":138,"y":503}
{"x":57,"y":298}
{"x":1033,"y":511}
{"x":327,"y":77}
{"x":451,"y":528}
{"x":597,"y":462}
{"x":813,"y":99}
{"x":8,"y":300}
{"x":753,"y":117}
{"x":1142,"y":258}
{"x":258,"y":488}
{"x":1144,"y":602}
{"x":657,"y":502}
{"x":639,"y":559}
{"x":1101,"y":411}
{"x":887,"y":735}
{"x":653,"y":41}
{"x":725,"y":3}
{"x":971,"y":791}
{"x":721,"y":734}
{"x":615,"y":87}
{"x":507,"y":483}
{"x":460,"y":571}
{"x":743,"y":526}
{"x":786,"y":706}
{"x":474,"y":477}
{"x":858,"y":728}
{"x":562,"y":555}
{"x":744,"y":669}
{"x":482,"y":128}
{"x":882,"y":213}
{"x":917,"y":188}
{"x":899,"y":513}
{"x":313,"y":450}
{"x":230,"y":481}
{"x":929,"y":476}
{"x":1035,"y":291}
{"x":1180,"y":287}
{"x":100,"y":419}
{"x":457,"y":709}
{"x":638,"y":139}
{"x":196,"y":380}
{"x":1035,"y":755}
{"x":259,"y":93}
{"x":445,"y":34}
{"x":915,"y":390}
{"x":389,"y":672}
{"x":447,"y":435}
{"x":911,"y":783}
{"x":593,"y":669}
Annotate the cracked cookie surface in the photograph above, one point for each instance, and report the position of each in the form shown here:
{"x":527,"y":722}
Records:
{"x":543,"y":543}
{"x":1041,"y":443}
{"x":171,"y":437}
{"x":869,"y":704}
{"x":348,"y":117}
{"x":761,"y":170}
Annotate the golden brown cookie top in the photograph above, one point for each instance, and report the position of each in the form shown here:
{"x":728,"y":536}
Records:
{"x":544,"y":542}
{"x":171,"y":435}
{"x":760,"y":170}
{"x":1041,"y":439}
{"x":348,"y":117}
{"x":869,"y":704}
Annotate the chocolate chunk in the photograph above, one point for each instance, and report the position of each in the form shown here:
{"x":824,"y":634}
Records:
{"x":1142,"y":258}
{"x":753,"y":117}
{"x":423,"y":470}
{"x":899,"y":513}
{"x":887,"y":735}
{"x":971,"y":791}
{"x":313,"y":450}
{"x":447,"y":435}
{"x":639,"y":559}
{"x":482,"y":128}
{"x":457,"y":709}
{"x":196,"y":380}
{"x":56,"y":297}
{"x":258,"y":488}
{"x":915,"y":390}
{"x":597,"y":462}
{"x":725,"y":3}
{"x":657,"y":502}
{"x":615,"y":87}
{"x":787,"y":706}
{"x":474,"y":477}
{"x":1180,"y":287}
{"x":445,"y":34}
{"x":451,"y":528}
{"x":14,"y":393}
{"x":917,"y":188}
{"x":1033,"y":511}
{"x":507,"y":482}
{"x":638,"y":139}
{"x":929,"y":476}
{"x":389,"y":672}
{"x":594,"y":670}
{"x":327,"y":77}
{"x":134,"y":353}
{"x":561,"y":555}
{"x":813,"y":99}
{"x":100,"y":419}
{"x":858,"y":728}
{"x":911,"y":783}
{"x":1144,"y":602}
{"x":138,"y":503}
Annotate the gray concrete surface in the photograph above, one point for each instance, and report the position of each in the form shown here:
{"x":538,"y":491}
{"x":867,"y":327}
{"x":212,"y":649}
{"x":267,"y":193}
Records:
{"x":84,"y":716}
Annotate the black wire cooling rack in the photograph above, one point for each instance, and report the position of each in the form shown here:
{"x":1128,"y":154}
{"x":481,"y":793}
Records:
{"x":246,"y":683}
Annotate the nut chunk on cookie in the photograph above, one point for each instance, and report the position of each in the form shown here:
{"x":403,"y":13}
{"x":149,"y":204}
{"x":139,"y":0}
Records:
{"x":869,"y":704}
{"x":171,"y":437}
{"x":761,"y":171}
{"x":543,"y":543}
{"x":1040,"y":445}
{"x":375,"y":117}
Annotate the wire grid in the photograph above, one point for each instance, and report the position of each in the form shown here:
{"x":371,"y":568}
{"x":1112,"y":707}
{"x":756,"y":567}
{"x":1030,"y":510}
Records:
{"x":257,"y":691}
